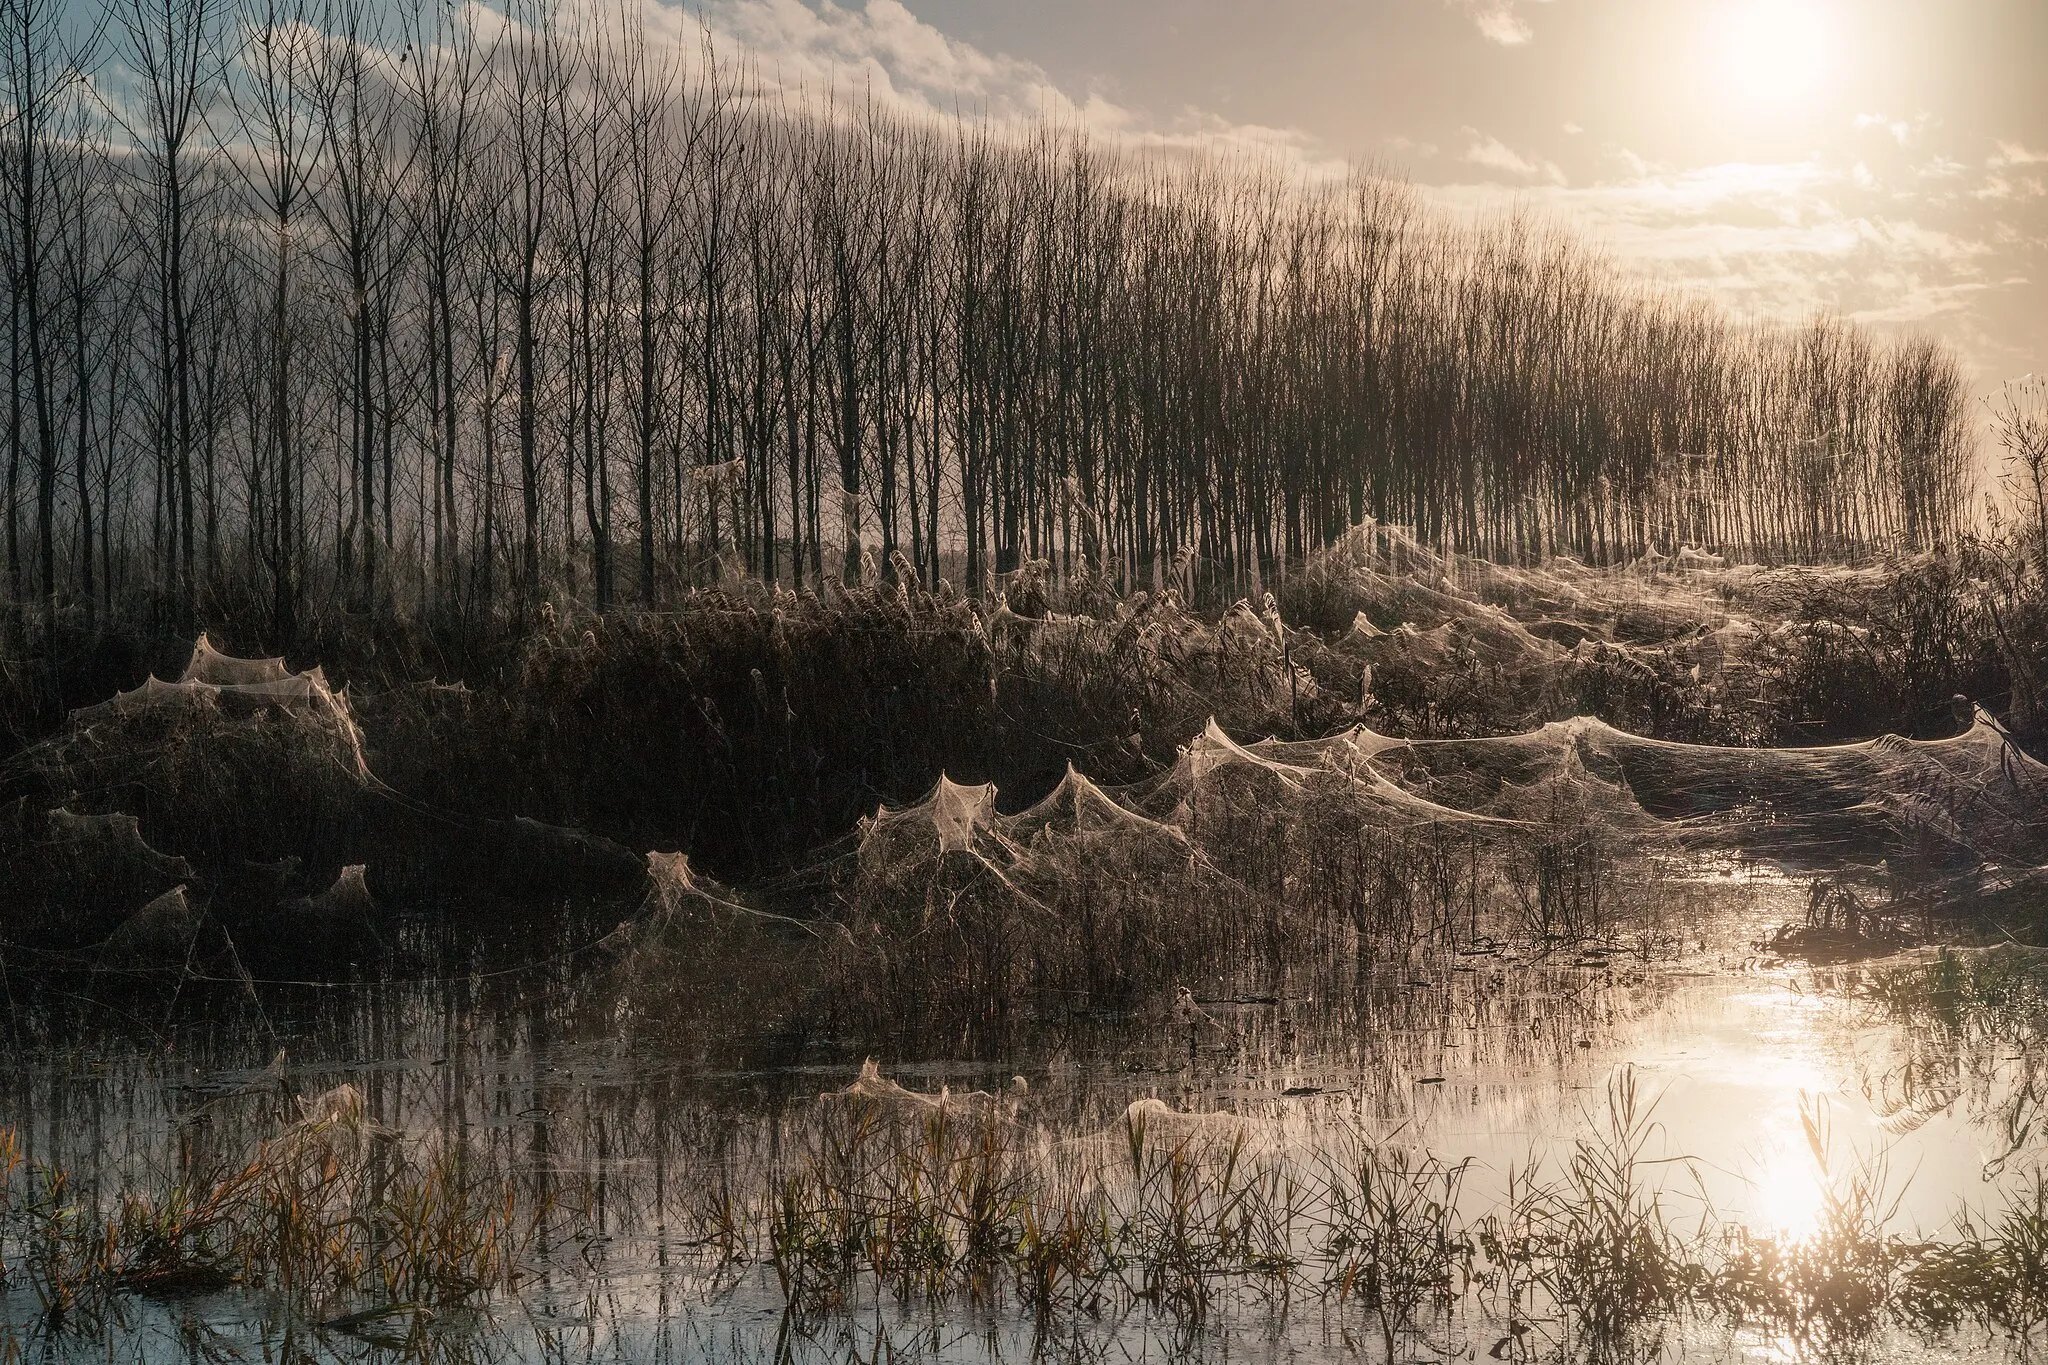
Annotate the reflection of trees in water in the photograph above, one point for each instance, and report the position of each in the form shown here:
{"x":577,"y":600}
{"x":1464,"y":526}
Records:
{"x":648,"y":1114}
{"x":667,"y":1165}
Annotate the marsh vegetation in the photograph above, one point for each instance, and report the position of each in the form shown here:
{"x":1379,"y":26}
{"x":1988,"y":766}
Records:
{"x":650,"y":718}
{"x":1236,"y":982}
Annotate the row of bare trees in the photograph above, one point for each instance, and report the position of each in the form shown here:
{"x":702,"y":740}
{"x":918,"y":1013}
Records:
{"x":440,"y":309}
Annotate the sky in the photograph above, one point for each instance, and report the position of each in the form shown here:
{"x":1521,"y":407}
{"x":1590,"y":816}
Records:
{"x":1883,"y":159}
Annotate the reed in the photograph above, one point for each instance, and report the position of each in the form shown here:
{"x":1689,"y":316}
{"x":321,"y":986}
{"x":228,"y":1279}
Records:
{"x":755,"y":727}
{"x":1183,"y":1215}
{"x":1393,"y":1241}
{"x":333,"y":1208}
{"x":883,"y":1195}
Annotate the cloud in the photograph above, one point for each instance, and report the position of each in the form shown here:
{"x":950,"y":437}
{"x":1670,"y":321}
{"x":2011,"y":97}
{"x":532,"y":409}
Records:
{"x":1775,"y":241}
{"x":883,"y":50}
{"x":880,"y":51}
{"x":1902,"y":131}
{"x":1503,"y":26}
{"x":2013,"y":189}
{"x":1408,"y":148}
{"x":2015,"y":154}
{"x":2014,"y":174}
{"x":1499,"y":21}
{"x":1496,"y":155}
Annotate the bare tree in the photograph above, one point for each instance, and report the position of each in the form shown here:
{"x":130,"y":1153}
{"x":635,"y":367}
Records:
{"x":91,"y":254}
{"x":45,"y":65}
{"x":280,"y":127}
{"x":528,"y":164}
{"x":173,"y":47}
{"x":741,"y":330}
{"x":2019,"y":418}
{"x":446,"y":87}
{"x":355,"y":101}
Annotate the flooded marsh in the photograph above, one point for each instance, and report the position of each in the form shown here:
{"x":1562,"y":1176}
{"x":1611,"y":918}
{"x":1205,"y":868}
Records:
{"x":1385,"y":1037}
{"x":1697,"y":1151}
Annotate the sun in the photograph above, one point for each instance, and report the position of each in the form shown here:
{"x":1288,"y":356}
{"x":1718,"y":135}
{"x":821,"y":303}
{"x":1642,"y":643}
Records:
{"x":1774,"y":57}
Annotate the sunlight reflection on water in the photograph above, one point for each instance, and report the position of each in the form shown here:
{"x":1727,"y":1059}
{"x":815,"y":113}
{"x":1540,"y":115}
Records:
{"x":1503,"y":1062}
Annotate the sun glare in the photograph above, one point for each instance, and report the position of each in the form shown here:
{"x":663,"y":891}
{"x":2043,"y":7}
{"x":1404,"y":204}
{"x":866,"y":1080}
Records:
{"x":1789,"y":1185}
{"x":1774,"y":56}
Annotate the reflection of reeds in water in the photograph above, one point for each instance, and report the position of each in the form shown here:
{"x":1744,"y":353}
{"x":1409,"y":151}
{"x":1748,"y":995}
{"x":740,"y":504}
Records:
{"x":1832,"y":1286}
{"x":1975,"y":1025}
{"x":880,"y":1194}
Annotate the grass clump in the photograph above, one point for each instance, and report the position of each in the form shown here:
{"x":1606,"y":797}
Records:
{"x":332,"y":1209}
{"x":922,"y":1199}
{"x":1993,"y":1273}
{"x":1596,"y":1250}
{"x":1394,"y":1243}
{"x":878,"y":1194}
{"x":1837,"y":1284}
{"x":927,"y":1203}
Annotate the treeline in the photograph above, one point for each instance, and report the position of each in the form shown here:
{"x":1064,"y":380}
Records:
{"x":430,"y":308}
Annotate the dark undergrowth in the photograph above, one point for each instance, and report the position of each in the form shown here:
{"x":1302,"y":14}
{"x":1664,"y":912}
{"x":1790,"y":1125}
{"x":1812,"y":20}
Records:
{"x":752,"y":726}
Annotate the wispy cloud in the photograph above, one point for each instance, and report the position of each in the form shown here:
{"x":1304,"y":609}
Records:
{"x":1503,"y":26}
{"x":880,"y":51}
{"x":2014,"y":174}
{"x":1499,"y":21}
{"x":1496,"y":155}
{"x":1904,"y":131}
{"x":2015,"y":154}
{"x":1776,"y":241}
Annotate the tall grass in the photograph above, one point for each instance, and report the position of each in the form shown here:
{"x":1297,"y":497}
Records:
{"x":332,"y":1209}
{"x":878,"y":1195}
{"x":753,"y":727}
{"x":1594,"y":1258}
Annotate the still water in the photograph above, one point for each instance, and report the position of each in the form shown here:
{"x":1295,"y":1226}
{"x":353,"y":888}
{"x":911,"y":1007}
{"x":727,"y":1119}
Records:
{"x":1766,"y":1083}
